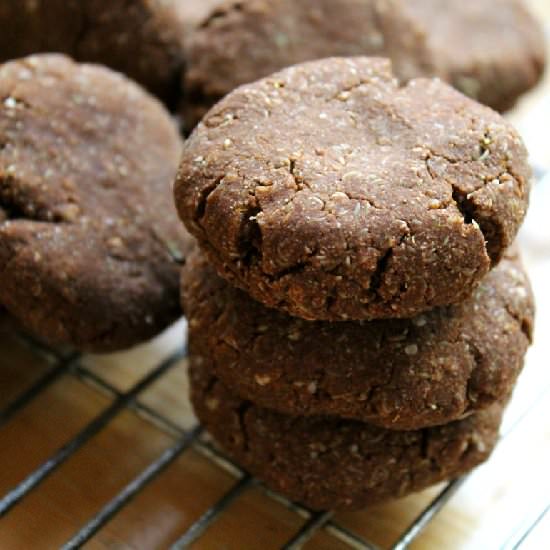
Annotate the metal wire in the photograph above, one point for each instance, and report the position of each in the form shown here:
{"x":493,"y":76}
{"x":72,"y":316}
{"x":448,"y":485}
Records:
{"x":96,"y":425}
{"x":47,"y":380}
{"x":131,"y":490}
{"x":427,"y":515}
{"x":308,"y":530}
{"x":527,"y":527}
{"x":63,"y":365}
{"x":212,"y":514}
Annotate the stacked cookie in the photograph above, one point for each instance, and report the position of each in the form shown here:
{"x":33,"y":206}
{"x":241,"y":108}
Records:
{"x":357,"y":319}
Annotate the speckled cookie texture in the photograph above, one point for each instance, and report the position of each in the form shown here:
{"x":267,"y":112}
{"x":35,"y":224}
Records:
{"x":398,"y":374}
{"x":329,"y":191}
{"x":90,"y":243}
{"x":141,"y":38}
{"x":330,"y":463}
{"x":493,"y":52}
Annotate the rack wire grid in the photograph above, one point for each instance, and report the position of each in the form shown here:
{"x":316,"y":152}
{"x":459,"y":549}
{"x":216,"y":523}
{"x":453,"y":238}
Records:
{"x":71,"y":364}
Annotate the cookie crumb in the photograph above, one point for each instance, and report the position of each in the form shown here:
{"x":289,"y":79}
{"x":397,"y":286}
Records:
{"x":212,"y":403}
{"x":420,"y":321}
{"x":262,"y":379}
{"x":411,"y":349}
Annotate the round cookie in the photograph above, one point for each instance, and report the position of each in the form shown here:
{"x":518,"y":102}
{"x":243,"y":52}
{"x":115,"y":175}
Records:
{"x":141,"y":38}
{"x":494,"y":55}
{"x":330,"y":463}
{"x":330,"y":192}
{"x":90,"y":243}
{"x":398,"y":374}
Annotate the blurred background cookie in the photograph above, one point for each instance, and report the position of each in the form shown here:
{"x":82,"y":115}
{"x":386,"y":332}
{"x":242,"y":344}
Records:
{"x":141,"y":38}
{"x":491,"y":51}
{"x":90,"y":244}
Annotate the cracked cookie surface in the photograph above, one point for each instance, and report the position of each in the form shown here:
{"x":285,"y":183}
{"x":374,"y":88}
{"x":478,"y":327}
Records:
{"x":492,"y":53}
{"x":329,"y":191}
{"x":141,"y":38}
{"x":330,"y":463}
{"x":398,"y":374}
{"x":90,"y":243}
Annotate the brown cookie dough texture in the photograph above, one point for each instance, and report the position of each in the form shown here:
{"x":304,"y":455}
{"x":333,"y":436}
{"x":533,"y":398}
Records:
{"x":398,"y":374}
{"x":141,"y":38}
{"x":491,"y":51}
{"x":329,"y":191}
{"x":330,"y":463}
{"x":90,"y":244}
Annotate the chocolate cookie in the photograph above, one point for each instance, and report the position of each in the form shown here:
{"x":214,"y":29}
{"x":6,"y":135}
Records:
{"x":398,"y":374}
{"x":326,"y":462}
{"x":90,"y":243}
{"x":492,"y":52}
{"x":328,"y":191}
{"x":141,"y":38}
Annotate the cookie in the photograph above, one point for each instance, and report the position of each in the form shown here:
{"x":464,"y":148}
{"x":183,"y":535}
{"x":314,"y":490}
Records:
{"x":141,"y":38}
{"x":90,"y":243}
{"x":492,"y":53}
{"x":330,"y":463}
{"x":331,"y":192}
{"x":398,"y":374}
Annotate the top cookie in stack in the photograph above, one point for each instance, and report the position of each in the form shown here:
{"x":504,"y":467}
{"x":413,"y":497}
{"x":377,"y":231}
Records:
{"x":333,"y":193}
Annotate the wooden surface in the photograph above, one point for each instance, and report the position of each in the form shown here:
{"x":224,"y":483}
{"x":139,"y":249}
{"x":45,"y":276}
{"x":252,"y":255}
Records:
{"x":493,"y":504}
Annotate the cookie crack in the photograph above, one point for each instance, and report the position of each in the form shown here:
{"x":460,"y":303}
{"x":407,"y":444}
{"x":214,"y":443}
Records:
{"x":222,"y":12}
{"x":341,"y":94}
{"x":250,"y":237}
{"x":200,"y":210}
{"x":16,"y":206}
{"x":472,"y":395}
{"x":300,"y":182}
{"x":297,"y":268}
{"x":241,"y":411}
{"x":524,"y":323}
{"x":491,"y":231}
{"x":13,"y":210}
{"x":464,"y":205}
{"x":377,"y":279}
{"x":425,"y":439}
{"x":461,"y":200}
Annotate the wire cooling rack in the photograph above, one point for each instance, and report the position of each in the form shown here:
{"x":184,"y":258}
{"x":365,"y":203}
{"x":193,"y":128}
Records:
{"x":72,"y":365}
{"x":312,"y":522}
